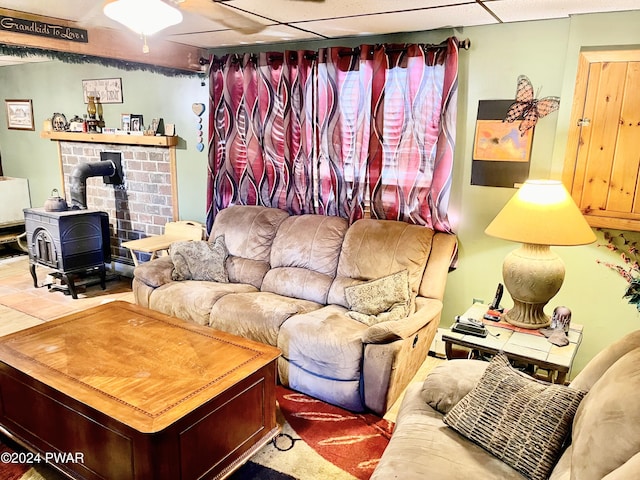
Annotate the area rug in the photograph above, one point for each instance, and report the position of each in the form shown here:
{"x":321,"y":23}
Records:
{"x":318,"y":441}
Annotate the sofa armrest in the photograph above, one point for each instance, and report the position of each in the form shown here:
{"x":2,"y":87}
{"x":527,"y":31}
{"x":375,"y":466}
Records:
{"x":427,"y":309}
{"x":154,"y":273}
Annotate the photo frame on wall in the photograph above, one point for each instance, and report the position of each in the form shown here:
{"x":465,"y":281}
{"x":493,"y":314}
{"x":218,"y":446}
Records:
{"x":19,"y":114}
{"x":501,"y":155}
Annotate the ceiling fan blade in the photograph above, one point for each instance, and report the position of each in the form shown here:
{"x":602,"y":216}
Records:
{"x":221,"y":13}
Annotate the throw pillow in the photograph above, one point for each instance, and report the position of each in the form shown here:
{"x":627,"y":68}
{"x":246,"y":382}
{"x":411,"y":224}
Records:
{"x":449,"y":382}
{"x":383,"y":299}
{"x":199,"y":260}
{"x":520,"y":420}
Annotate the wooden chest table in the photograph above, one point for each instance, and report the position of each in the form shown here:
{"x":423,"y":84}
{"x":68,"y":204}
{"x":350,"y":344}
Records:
{"x":122,"y":392}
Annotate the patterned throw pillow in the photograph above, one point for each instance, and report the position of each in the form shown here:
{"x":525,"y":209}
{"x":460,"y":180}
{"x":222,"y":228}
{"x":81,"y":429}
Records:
{"x":380,"y":300}
{"x":520,"y":420}
{"x":199,"y":260}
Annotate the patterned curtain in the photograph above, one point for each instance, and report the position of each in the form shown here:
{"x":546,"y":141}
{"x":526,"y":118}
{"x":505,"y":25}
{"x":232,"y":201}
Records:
{"x":343,"y":105}
{"x":259,"y":146}
{"x":411,"y":150}
{"x":326,"y":132}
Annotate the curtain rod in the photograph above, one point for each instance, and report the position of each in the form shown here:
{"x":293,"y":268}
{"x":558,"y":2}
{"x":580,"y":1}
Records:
{"x":464,"y":44}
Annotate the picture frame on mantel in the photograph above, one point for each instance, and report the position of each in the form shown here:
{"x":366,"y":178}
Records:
{"x":19,"y":114}
{"x":137,"y":123}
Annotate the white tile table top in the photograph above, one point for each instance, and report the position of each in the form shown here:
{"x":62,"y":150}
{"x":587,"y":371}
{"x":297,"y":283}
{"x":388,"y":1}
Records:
{"x":528,"y":344}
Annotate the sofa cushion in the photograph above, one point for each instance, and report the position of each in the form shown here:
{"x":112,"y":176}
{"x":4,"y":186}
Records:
{"x":199,"y":260}
{"x":383,"y":299}
{"x":248,"y":232}
{"x":449,"y":382}
{"x":606,"y":432}
{"x":304,"y":256}
{"x":192,"y":299}
{"x":520,"y":420}
{"x":322,"y":356}
{"x":376,"y":248}
{"x":422,"y":447}
{"x":257,"y":316}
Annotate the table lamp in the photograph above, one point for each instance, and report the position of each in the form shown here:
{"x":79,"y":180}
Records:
{"x":540,"y":214}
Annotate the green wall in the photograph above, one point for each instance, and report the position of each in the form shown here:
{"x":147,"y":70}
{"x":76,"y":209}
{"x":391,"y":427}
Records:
{"x":545,"y":51}
{"x":57,"y":87}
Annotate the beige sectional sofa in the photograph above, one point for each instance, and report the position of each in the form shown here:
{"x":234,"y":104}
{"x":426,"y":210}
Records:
{"x":293,"y":282}
{"x":603,"y":440}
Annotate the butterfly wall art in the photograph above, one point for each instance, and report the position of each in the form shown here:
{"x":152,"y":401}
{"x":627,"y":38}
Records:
{"x":527,"y":108}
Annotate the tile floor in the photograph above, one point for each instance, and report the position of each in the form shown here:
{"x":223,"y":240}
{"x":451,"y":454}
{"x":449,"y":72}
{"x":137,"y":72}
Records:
{"x":23,"y":305}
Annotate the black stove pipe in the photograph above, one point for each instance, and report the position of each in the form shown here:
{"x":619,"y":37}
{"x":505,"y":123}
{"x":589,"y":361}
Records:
{"x":78,"y":180}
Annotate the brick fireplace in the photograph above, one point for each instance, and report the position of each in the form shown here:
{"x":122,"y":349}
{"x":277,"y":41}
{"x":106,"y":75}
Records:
{"x":145,"y":201}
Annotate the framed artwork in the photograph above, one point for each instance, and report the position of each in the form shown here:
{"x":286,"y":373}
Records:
{"x":19,"y":114}
{"x":501,"y":141}
{"x":501,"y":155}
{"x":109,"y":90}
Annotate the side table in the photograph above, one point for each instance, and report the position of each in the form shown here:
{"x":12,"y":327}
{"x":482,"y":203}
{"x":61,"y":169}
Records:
{"x":520,"y":345}
{"x":173,"y":232}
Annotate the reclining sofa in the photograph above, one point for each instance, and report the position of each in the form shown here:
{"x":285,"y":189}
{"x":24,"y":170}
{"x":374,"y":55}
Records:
{"x":353,"y":308}
{"x":603,"y":439}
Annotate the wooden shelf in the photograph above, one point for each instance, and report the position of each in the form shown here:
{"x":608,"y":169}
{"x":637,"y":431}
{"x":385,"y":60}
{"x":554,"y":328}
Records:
{"x":147,"y":140}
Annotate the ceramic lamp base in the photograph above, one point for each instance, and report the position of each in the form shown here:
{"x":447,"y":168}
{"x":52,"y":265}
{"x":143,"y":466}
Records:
{"x":532,"y":274}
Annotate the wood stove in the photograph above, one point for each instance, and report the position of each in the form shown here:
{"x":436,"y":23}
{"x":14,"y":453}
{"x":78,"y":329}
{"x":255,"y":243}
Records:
{"x":72,"y":243}
{"x":75,"y":241}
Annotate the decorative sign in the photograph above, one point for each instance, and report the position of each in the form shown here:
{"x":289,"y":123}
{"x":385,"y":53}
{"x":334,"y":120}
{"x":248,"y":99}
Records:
{"x":109,"y":90}
{"x":43,"y":29}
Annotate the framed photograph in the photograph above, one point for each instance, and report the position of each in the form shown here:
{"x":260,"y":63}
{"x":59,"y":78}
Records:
{"x":137,"y":125}
{"x":125,"y":122}
{"x":19,"y":114}
{"x":109,"y":90}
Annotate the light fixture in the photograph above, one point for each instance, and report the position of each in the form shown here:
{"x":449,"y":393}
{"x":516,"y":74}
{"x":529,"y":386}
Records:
{"x":144,"y":17}
{"x":540,"y":214}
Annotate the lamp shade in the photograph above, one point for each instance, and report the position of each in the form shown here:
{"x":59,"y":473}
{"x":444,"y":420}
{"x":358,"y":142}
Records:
{"x":542,"y":213}
{"x":144,"y":17}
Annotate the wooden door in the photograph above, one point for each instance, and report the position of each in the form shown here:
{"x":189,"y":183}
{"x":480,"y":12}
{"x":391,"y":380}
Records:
{"x":602,"y":162}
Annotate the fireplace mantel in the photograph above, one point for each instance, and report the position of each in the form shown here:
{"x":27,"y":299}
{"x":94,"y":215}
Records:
{"x":147,"y":199}
{"x":144,"y":140}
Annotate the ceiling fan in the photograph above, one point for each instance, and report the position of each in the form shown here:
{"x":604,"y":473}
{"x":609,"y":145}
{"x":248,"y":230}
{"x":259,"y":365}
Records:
{"x":222,"y":12}
{"x":146,"y":17}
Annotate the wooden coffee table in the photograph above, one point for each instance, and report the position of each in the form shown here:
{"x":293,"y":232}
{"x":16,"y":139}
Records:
{"x":122,"y":392}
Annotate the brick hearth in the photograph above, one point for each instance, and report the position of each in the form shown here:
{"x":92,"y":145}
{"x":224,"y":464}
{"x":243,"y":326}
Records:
{"x":142,"y":205}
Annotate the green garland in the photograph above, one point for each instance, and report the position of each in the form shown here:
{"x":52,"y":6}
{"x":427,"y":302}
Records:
{"x":24,"y":52}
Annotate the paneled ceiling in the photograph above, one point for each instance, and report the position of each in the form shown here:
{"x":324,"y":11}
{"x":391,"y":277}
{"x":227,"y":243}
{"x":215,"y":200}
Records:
{"x":212,"y":24}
